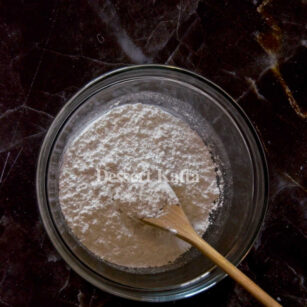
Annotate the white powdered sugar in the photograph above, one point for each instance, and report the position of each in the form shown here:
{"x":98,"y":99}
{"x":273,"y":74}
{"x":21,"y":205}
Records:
{"x":131,"y":163}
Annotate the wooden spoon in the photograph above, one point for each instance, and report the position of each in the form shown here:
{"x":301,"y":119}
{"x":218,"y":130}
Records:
{"x":177,"y":222}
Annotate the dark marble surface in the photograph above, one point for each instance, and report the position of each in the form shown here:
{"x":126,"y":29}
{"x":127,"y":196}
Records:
{"x":254,"y":50}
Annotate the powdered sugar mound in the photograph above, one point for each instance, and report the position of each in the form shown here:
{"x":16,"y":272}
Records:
{"x":150,"y":199}
{"x":131,"y":163}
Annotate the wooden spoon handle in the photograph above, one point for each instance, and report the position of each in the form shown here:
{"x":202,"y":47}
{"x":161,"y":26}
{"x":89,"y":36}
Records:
{"x":176,"y":220}
{"x":233,"y":271}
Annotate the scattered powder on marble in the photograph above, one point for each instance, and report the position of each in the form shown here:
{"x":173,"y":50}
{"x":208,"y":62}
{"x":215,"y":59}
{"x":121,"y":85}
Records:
{"x":128,"y":141}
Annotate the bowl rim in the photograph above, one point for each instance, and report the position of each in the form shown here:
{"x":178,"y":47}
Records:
{"x":66,"y":254}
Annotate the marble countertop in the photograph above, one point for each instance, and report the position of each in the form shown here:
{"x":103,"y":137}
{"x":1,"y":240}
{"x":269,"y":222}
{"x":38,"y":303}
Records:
{"x":254,"y":50}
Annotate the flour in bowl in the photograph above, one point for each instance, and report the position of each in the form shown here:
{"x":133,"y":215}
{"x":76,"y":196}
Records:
{"x":131,"y":163}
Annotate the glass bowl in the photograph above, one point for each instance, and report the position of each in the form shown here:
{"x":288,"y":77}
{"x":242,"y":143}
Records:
{"x":234,"y":144}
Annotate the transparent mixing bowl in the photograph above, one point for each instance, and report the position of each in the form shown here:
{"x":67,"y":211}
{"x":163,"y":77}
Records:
{"x":234,"y":145}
